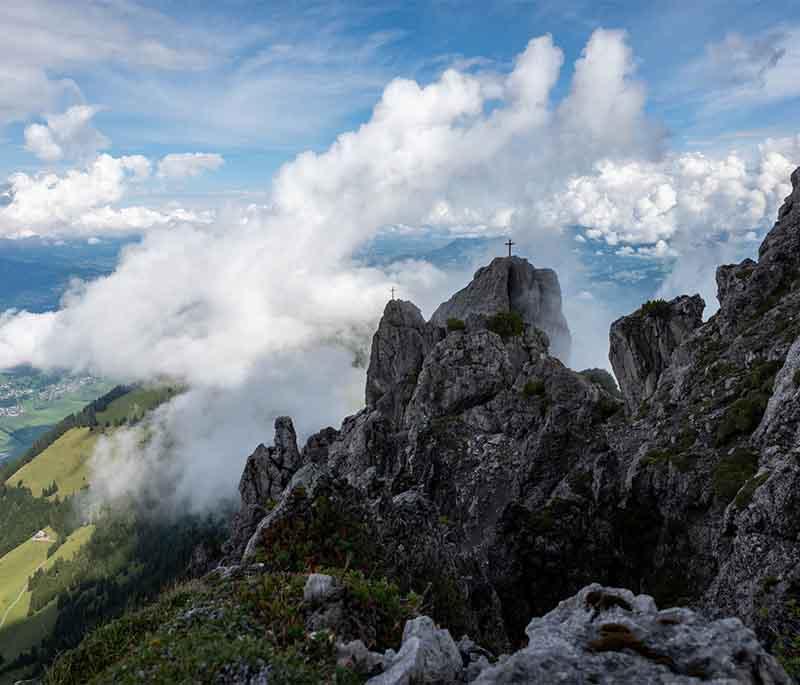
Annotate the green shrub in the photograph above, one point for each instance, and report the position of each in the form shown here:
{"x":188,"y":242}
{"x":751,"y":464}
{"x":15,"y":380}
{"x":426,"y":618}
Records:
{"x":454,"y":324}
{"x":604,"y":379}
{"x":608,"y":407}
{"x":732,"y":472}
{"x":744,"y":415}
{"x":787,"y":646}
{"x":506,"y":324}
{"x":657,"y":308}
{"x":534,"y":388}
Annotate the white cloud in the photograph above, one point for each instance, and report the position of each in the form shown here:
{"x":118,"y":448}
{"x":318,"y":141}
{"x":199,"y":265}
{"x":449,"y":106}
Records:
{"x":45,"y":38}
{"x":80,"y":201}
{"x":188,"y":164}
{"x":69,"y":135}
{"x":744,"y":71}
{"x":646,"y":203}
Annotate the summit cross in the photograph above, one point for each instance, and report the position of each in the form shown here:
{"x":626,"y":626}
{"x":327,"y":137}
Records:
{"x":393,"y":293}
{"x":509,"y":244}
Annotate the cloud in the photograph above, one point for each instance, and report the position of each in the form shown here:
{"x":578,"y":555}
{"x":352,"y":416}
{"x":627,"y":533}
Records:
{"x":188,"y":164}
{"x":69,"y":135}
{"x":652,"y":203}
{"x":746,"y":71}
{"x":44,"y":39}
{"x":262,"y":311}
{"x":79,"y":201}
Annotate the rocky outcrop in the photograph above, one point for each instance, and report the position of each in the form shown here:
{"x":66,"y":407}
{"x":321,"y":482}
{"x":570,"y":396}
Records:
{"x":513,"y":284}
{"x":611,"y":636}
{"x":267,"y":472}
{"x":641,"y":344}
{"x":497,"y":481}
{"x":399,"y":347}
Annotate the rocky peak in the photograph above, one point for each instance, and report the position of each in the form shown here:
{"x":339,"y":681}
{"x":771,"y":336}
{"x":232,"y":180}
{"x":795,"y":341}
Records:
{"x":266,"y":473}
{"x":399,"y":347}
{"x":513,"y":284}
{"x":642,"y":344}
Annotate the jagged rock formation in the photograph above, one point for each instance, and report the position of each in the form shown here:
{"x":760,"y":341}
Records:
{"x":489,"y":475}
{"x":643,"y":342}
{"x":513,"y":284}
{"x":267,"y":472}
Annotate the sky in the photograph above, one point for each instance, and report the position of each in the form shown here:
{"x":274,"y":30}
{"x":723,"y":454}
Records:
{"x":248,"y":151}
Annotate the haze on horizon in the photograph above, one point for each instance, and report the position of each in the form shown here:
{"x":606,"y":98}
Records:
{"x":251,"y":154}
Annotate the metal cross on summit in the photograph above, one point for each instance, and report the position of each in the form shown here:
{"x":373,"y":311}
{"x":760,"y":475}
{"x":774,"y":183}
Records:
{"x":509,"y":244}
{"x":392,"y":292}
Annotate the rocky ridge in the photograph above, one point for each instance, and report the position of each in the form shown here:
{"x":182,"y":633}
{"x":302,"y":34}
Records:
{"x":481,"y":460}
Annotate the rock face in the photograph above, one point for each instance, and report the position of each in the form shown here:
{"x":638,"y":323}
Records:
{"x":497,"y":481}
{"x":513,"y":284}
{"x":266,"y":473}
{"x":643,"y":342}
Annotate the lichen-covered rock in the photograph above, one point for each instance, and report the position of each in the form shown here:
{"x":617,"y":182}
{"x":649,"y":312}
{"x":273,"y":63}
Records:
{"x":611,"y":636}
{"x":641,"y":344}
{"x":513,"y":284}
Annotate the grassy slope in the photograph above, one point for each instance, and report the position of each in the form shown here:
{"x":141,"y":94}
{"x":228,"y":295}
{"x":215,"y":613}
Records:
{"x":63,"y":462}
{"x":134,"y":405}
{"x":15,"y":568}
{"x":20,"y":631}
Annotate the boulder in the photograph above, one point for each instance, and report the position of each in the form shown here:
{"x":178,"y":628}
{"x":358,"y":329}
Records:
{"x":428,"y":655}
{"x":513,"y":284}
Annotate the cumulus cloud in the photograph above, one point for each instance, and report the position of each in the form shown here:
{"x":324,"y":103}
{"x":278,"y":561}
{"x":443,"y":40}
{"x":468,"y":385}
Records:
{"x":263,"y":311}
{"x":67,"y":135}
{"x":650,"y":204}
{"x":188,"y":164}
{"x":79,"y":201}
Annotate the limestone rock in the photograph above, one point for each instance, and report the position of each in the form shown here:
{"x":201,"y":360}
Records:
{"x":642,"y":344}
{"x":428,"y":655}
{"x":513,"y":284}
{"x":318,"y":588}
{"x":266,"y":473}
{"x":399,"y":346}
{"x":611,"y":636}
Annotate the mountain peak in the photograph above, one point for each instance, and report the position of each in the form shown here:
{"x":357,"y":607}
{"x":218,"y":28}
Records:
{"x":513,"y":284}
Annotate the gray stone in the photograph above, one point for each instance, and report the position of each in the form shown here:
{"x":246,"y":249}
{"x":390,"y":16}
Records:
{"x":513,"y":284}
{"x":355,"y":655}
{"x":641,"y":345}
{"x":428,"y":655}
{"x":318,"y":588}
